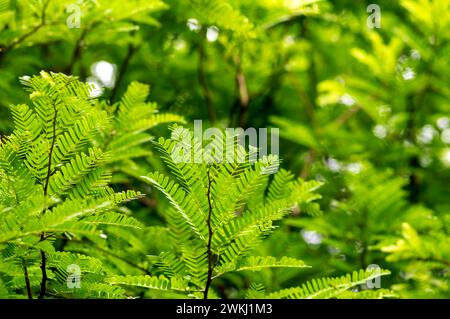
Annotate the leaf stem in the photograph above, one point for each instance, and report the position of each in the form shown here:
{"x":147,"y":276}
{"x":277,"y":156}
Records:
{"x":210,"y":234}
{"x":50,"y":155}
{"x":123,"y":69}
{"x":244,"y":98}
{"x":144,"y":270}
{"x":76,"y":55}
{"x":22,"y":38}
{"x":44,"y":275}
{"x":49,"y":170}
{"x":206,"y":92}
{"x":27,"y":281}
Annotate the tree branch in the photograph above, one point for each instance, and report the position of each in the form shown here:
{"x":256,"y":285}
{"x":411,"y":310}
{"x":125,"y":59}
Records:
{"x":123,"y":69}
{"x":310,"y":99}
{"x":27,"y":281}
{"x":77,"y":52}
{"x":44,"y":275}
{"x":50,"y":155}
{"x":341,"y":120}
{"x":47,"y":180}
{"x":210,"y":234}
{"x":26,"y":35}
{"x":122,"y":259}
{"x":244,"y":97}
{"x":207,"y":95}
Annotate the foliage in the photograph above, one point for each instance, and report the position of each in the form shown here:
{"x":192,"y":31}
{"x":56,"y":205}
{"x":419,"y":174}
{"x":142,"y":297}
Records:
{"x":54,"y":185}
{"x":364,"y":161}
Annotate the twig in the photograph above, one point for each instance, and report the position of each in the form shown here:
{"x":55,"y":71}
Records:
{"x":244,"y":98}
{"x":77,"y":52}
{"x":310,"y":99}
{"x":207,"y":95}
{"x":210,"y":234}
{"x":303,"y":95}
{"x":264,"y":97}
{"x":27,"y":281}
{"x":310,"y":110}
{"x":311,"y":157}
{"x":363,"y":226}
{"x":414,"y":184}
{"x":341,"y":120}
{"x":42,"y":292}
{"x":123,"y":69}
{"x":122,"y":259}
{"x":50,"y":155}
{"x":47,"y":180}
{"x":22,"y":38}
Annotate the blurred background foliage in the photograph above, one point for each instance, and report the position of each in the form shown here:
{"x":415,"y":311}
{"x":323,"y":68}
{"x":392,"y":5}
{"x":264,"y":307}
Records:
{"x":365,"y":110}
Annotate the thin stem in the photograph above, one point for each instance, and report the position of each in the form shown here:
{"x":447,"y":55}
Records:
{"x":364,"y":234}
{"x":47,"y":180}
{"x":27,"y":281}
{"x":303,"y":95}
{"x":50,"y":155}
{"x":414,"y":165}
{"x":210,"y":234}
{"x":310,"y":158}
{"x":77,"y":51}
{"x":244,"y":98}
{"x":346,"y":116}
{"x":414,"y":102}
{"x":123,"y":69}
{"x":22,"y":38}
{"x":206,"y":92}
{"x":42,"y":292}
{"x":311,"y":104}
{"x":263,"y":99}
{"x":122,"y":259}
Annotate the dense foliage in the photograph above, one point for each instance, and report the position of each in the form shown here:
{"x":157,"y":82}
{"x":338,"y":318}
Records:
{"x":96,"y":203}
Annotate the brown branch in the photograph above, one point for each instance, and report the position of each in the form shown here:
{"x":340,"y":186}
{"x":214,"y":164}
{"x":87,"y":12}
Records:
{"x":206,"y":92}
{"x":310,"y":99}
{"x":210,"y":234}
{"x":123,"y":69}
{"x":47,"y":180}
{"x":341,"y":120}
{"x":122,"y":259}
{"x":44,"y":275}
{"x":19,"y":40}
{"x":244,"y":97}
{"x":364,"y":233}
{"x":303,"y":95}
{"x":50,"y":155}
{"x":311,"y":157}
{"x":26,"y":35}
{"x":262,"y":100}
{"x":77,"y":52}
{"x":414,"y":102}
{"x":27,"y":281}
{"x":310,"y":110}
